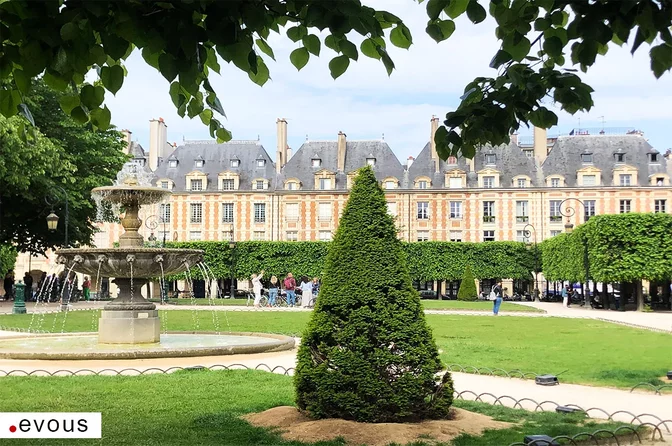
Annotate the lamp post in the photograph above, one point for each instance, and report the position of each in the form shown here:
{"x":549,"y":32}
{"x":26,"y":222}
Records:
{"x":152,"y":222}
{"x":52,"y":218}
{"x":569,"y":227}
{"x":232,"y":247}
{"x":527,"y":232}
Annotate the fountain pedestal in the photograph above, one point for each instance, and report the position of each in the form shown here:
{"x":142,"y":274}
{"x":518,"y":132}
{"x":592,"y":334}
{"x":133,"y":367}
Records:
{"x":129,"y":327}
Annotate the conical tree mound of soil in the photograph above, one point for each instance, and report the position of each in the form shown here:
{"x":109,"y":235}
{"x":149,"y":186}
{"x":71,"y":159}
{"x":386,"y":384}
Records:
{"x":367,"y":353}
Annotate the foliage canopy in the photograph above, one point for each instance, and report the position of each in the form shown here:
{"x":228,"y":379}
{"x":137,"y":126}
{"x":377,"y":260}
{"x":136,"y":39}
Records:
{"x":367,"y":353}
{"x":185,"y":41}
{"x":467,"y":289}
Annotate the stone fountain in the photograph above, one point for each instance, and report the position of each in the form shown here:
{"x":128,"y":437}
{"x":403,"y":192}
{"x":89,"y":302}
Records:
{"x":129,"y":319}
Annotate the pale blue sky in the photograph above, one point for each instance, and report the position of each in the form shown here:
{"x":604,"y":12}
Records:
{"x":365,"y":103}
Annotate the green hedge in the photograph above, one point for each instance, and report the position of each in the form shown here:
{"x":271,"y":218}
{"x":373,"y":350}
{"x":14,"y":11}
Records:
{"x":562,"y":258}
{"x":426,"y":260}
{"x":7,"y":259}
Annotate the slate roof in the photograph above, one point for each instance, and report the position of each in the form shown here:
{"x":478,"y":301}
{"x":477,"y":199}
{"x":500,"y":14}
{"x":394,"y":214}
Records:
{"x":565,"y":156}
{"x":136,"y":151}
{"x":217,"y":158}
{"x":300,"y":165}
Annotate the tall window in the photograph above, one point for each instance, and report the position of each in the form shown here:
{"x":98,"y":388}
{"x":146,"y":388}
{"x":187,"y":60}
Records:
{"x":554,"y":209}
{"x":455,"y":209}
{"x":488,"y":236}
{"x":423,"y":210}
{"x":423,"y":236}
{"x":392,"y":208}
{"x":522,"y":182}
{"x":455,"y":236}
{"x":422,"y":184}
{"x":555,"y":232}
{"x":589,"y":180}
{"x":625,"y":179}
{"x":260,"y":185}
{"x":227,"y":236}
{"x":488,"y":212}
{"x":259,"y":235}
{"x":195,"y":235}
{"x":589,"y":209}
{"x":228,"y":184}
{"x":488,"y":182}
{"x":325,"y":183}
{"x":196,"y":212}
{"x":324,"y":211}
{"x":227,"y":212}
{"x":522,"y":212}
{"x":292,"y":211}
{"x":660,"y":206}
{"x":523,"y":236}
{"x":164,"y":213}
{"x":624,"y":206}
{"x":292,"y":236}
{"x":196,"y":185}
{"x":325,"y":236}
{"x":455,"y":183}
{"x":260,"y":212}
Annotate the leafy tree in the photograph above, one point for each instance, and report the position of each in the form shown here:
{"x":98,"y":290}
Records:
{"x":7,"y":259}
{"x":467,"y":289}
{"x":367,"y":353}
{"x":184,"y":41}
{"x":62,"y":155}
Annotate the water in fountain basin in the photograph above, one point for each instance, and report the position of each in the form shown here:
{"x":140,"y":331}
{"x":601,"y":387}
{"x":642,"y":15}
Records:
{"x":61,"y":301}
{"x":67,"y":301}
{"x":194,"y":314}
{"x":95,"y":314}
{"x":213,"y":309}
{"x":164,"y":299}
{"x":45,"y":299}
{"x":39,"y":303}
{"x":219,"y":295}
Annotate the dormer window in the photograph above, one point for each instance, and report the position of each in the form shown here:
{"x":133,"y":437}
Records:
{"x":316,"y":162}
{"x":422,"y":184}
{"x":522,"y":182}
{"x":235,"y":163}
{"x":653,"y":157}
{"x":259,"y":185}
{"x":490,"y":158}
{"x":172,"y":163}
{"x":196,"y":185}
{"x":261,"y":162}
{"x":199,"y":163}
{"x":586,"y":157}
{"x":619,"y":157}
{"x":371,"y":161}
{"x":164,"y":185}
{"x":452,"y":160}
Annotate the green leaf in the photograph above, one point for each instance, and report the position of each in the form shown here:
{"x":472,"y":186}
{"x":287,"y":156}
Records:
{"x":401,"y":36}
{"x":79,"y":115}
{"x":501,"y":57}
{"x":9,"y":102}
{"x":54,"y":82}
{"x":543,"y":118}
{"x":299,"y":57}
{"x":296,"y":33}
{"x":69,"y":102}
{"x":441,"y":30}
{"x":517,"y":46}
{"x":435,"y":7}
{"x":211,"y":60}
{"x":456,"y":8}
{"x":195,"y":107}
{"x":213,"y":101}
{"x":387,"y":60}
{"x":553,"y":46}
{"x":223,"y":135}
{"x":92,"y":96}
{"x":348,"y":49}
{"x":206,"y":116}
{"x":100,"y":117}
{"x":115,"y":46}
{"x":368,"y":48}
{"x":22,"y":81}
{"x":542,"y":24}
{"x":312,"y":44}
{"x":331,"y":42}
{"x":265,"y":48}
{"x":112,"y":77}
{"x":476,"y":12}
{"x":262,"y":75}
{"x":338,"y":65}
{"x":661,"y":59}
{"x":168,"y":67}
{"x":25,"y":112}
{"x":69,"y":31}
{"x":177,"y":95}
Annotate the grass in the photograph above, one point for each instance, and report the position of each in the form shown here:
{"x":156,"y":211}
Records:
{"x":476,"y":306}
{"x":202,"y":408}
{"x":587,"y":351}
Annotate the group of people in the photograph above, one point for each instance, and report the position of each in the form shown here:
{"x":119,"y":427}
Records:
{"x":309,"y":289}
{"x":50,"y":288}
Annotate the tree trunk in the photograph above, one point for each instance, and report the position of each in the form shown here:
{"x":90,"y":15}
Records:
{"x":666,"y":293}
{"x":606,"y":301}
{"x":640,"y":296}
{"x":625,"y":288}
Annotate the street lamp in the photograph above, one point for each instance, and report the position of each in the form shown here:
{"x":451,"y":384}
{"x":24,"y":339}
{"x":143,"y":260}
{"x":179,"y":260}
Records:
{"x":52,"y":218}
{"x":569,"y":227}
{"x":527,"y":231}
{"x":152,"y":222}
{"x":232,"y":247}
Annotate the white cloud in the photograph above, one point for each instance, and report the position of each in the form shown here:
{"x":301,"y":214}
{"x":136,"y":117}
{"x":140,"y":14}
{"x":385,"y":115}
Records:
{"x":365,"y":102}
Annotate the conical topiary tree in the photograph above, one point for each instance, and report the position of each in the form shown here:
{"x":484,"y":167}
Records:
{"x":467,"y":289}
{"x":367,"y":353}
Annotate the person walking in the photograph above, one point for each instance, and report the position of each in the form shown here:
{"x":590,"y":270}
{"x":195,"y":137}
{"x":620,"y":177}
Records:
{"x":28,"y":291}
{"x":497,"y":294}
{"x":290,"y":286}
{"x":86,"y":287}
{"x":565,"y":296}
{"x":306,"y":291}
{"x":256,"y":287}
{"x":316,"y":289}
{"x":273,"y":291}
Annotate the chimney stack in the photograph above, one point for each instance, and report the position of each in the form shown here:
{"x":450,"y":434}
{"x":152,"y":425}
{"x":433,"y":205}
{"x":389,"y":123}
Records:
{"x":432,"y":144}
{"x":158,"y":142}
{"x":127,"y":137}
{"x":540,"y":145}
{"x":289,"y":153}
{"x":281,"y":156}
{"x":514,"y":138}
{"x":342,"y":143}
{"x":409,"y":162}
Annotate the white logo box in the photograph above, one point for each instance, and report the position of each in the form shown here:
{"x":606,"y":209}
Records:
{"x":50,"y":425}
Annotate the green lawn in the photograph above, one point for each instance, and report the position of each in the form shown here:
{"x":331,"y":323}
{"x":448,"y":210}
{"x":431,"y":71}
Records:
{"x":202,"y":408}
{"x":475,"y":306}
{"x":588,"y":351}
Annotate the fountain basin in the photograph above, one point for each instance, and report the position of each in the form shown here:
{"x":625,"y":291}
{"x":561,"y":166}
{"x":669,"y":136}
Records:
{"x":83,"y":346}
{"x":115,"y":262}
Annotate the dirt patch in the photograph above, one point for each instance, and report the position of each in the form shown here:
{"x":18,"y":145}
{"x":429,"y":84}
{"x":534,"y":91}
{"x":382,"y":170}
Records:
{"x":294,"y":425}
